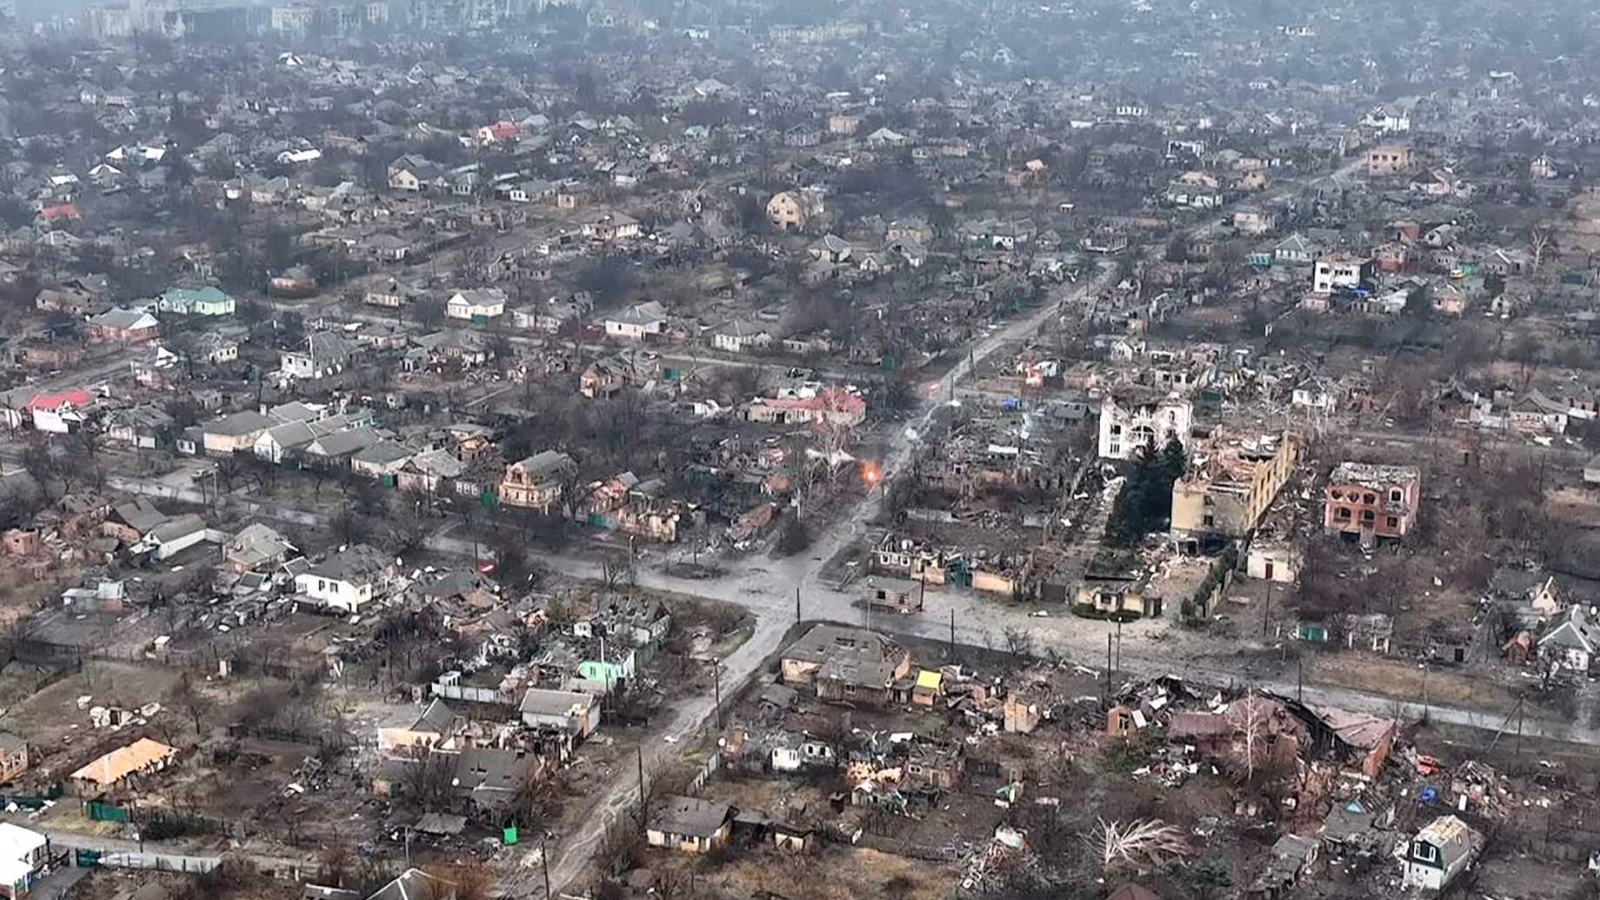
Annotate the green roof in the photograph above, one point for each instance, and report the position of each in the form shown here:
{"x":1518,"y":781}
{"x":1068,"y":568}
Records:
{"x":189,"y":295}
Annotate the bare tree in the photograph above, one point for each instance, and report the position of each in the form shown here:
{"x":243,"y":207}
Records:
{"x":193,"y":701}
{"x":428,"y":776}
{"x":1539,"y":241}
{"x":334,"y":864}
{"x":1135,"y":843}
{"x":1019,"y":641}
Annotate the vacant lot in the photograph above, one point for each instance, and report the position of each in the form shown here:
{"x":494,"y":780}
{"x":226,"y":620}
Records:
{"x":51,"y":717}
{"x":1408,"y":682}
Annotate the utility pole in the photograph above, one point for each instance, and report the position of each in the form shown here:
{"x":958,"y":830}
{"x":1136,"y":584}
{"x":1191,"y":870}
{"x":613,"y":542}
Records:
{"x":1119,"y":643}
{"x":1519,"y":726}
{"x":544,"y":856}
{"x":643,"y":804}
{"x":952,"y":634}
{"x":716,"y":682}
{"x":1300,"y":680}
{"x":1424,"y":692}
{"x":1108,"y":662}
{"x":797,"y":603}
{"x":1266,"y":609}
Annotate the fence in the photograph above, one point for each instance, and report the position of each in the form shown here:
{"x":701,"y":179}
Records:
{"x":105,"y":812}
{"x":159,"y":862}
{"x":289,"y":736}
{"x":707,"y":768}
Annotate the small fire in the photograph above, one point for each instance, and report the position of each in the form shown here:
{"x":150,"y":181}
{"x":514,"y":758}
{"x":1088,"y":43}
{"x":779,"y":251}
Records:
{"x":870,"y":474}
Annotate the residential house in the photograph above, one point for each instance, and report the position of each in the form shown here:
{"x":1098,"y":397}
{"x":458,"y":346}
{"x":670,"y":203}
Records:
{"x":452,"y":346}
{"x":1254,"y":220}
{"x":571,"y":712}
{"x":207,"y":301}
{"x":14,"y":758}
{"x":604,"y":377}
{"x":111,"y":771}
{"x":414,"y":884}
{"x":435,"y":729}
{"x":123,"y":326}
{"x":792,"y":210}
{"x":176,"y":535}
{"x":234,"y":433}
{"x":426,"y":472}
{"x":1443,"y":849}
{"x":538,"y":482}
{"x":1341,"y":272}
{"x":348,"y":580}
{"x":383,"y":459}
{"x":688,"y":824}
{"x":338,"y":448}
{"x":24,"y":854}
{"x":59,"y":413}
{"x":1388,"y":159}
{"x":1534,"y":413}
{"x":609,"y":226}
{"x":638,"y":322}
{"x":833,"y":407}
{"x":1296,"y":250}
{"x":741,"y":336}
{"x":1571,"y":641}
{"x":324,"y":353}
{"x":1372,"y":501}
{"x":257,"y":547}
{"x":476,"y":305}
{"x":846,"y":664}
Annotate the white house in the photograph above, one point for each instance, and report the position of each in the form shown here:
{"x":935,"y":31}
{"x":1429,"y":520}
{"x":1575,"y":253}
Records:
{"x":177,"y":535}
{"x":569,"y":711}
{"x":1127,"y":425}
{"x":1440,"y":852}
{"x":740,"y":336}
{"x":324,"y":353}
{"x":1571,"y":640}
{"x":478,"y":304}
{"x":347,"y":580}
{"x":640,"y":321}
{"x":22,"y":856}
{"x":1314,"y":394}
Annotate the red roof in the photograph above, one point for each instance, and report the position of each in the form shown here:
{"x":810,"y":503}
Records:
{"x":503,"y":130}
{"x":56,"y":401}
{"x":64,"y":211}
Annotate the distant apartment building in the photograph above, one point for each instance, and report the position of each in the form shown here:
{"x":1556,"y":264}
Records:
{"x":1341,"y":272}
{"x":1388,"y":159}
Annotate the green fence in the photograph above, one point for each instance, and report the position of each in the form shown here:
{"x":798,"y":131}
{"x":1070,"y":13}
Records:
{"x":105,"y":812}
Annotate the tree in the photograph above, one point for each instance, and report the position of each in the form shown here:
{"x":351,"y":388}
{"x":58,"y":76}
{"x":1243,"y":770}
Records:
{"x":192,"y":700}
{"x":1019,"y":641}
{"x":334,"y":864}
{"x":407,"y":525}
{"x":428,"y":777}
{"x":428,"y":312}
{"x":349,"y":526}
{"x":795,"y":536}
{"x":1209,"y":877}
{"x":1145,"y":500}
{"x":899,"y":887}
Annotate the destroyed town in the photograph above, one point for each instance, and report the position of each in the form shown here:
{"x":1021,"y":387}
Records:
{"x":821,"y":450}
